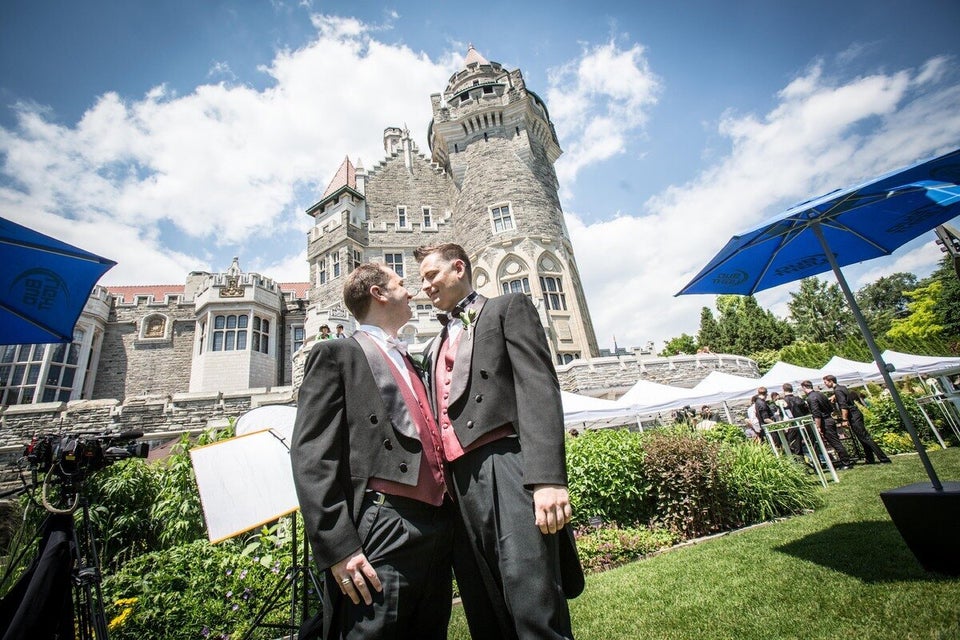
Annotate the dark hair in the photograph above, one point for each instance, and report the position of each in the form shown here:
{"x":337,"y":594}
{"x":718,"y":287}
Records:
{"x":356,"y":290}
{"x":830,"y":378}
{"x":448,"y":251}
{"x":787,"y":387}
{"x":806,"y":384}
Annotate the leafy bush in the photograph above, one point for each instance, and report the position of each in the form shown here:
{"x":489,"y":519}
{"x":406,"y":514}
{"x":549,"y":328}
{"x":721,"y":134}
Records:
{"x":605,"y":477}
{"x":192,"y":591}
{"x":605,"y":547}
{"x":686,"y":477}
{"x":881,"y":416}
{"x":725,"y":433}
{"x":892,"y":442}
{"x":764,"y":486}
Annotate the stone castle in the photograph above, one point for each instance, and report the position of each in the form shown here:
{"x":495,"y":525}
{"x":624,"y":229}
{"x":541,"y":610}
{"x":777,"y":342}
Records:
{"x":177,"y":357}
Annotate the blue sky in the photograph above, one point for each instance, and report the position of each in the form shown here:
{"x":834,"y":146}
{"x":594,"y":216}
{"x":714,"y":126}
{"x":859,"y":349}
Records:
{"x":172,"y":136}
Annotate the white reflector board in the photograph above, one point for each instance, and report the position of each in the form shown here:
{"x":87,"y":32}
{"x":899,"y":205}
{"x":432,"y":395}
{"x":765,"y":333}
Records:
{"x":244,"y":483}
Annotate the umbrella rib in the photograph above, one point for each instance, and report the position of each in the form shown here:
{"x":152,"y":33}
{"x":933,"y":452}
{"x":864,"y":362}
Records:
{"x":86,"y":256}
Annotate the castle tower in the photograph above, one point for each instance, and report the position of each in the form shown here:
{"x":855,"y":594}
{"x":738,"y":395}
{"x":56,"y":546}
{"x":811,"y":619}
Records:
{"x":495,"y":139}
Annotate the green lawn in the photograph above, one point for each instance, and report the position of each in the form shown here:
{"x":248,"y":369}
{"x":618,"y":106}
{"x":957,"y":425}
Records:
{"x":842,"y":572}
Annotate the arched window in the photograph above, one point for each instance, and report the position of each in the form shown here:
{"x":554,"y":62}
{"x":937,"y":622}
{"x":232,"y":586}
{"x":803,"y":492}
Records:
{"x":514,"y":275}
{"x":551,"y":283}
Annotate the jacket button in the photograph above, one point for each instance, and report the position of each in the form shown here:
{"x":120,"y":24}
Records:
{"x":388,"y":445}
{"x":479,"y":398}
{"x":469,"y":424}
{"x":403,"y":467}
{"x":373,"y":418}
{"x":484,"y":374}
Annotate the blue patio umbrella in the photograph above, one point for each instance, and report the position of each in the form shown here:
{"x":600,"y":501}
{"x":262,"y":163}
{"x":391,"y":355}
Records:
{"x":840,"y":228}
{"x":44,"y":284}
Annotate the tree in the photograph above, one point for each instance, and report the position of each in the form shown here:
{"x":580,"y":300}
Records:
{"x":947,"y":306}
{"x":744,"y":327}
{"x":883,"y":301}
{"x":709,"y":333}
{"x":681,"y":344}
{"x":923,"y":321}
{"x":819,"y":312}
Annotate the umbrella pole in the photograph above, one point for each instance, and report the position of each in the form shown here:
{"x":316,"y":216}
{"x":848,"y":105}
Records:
{"x":881,"y":365}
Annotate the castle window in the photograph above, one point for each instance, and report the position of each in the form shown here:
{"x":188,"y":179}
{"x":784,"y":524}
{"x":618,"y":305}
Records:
{"x":21,"y":367}
{"x":322,"y":271}
{"x":356,"y":258}
{"x":203,"y":335}
{"x":553,"y":296}
{"x":502,"y":219}
{"x":336,"y":264}
{"x":520,"y":285}
{"x":230,"y":333}
{"x":395,"y":262}
{"x":298,"y":335}
{"x":567,"y":358}
{"x":402,"y":217}
{"x":427,"y":218}
{"x":261,"y":334}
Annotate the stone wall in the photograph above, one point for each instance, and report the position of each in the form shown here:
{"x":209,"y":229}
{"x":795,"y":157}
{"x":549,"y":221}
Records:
{"x":131,"y":366}
{"x":600,"y":377}
{"x":150,"y":414}
{"x":611,"y":377}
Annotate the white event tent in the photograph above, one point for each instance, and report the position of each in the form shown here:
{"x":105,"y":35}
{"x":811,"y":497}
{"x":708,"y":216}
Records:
{"x":721,"y":388}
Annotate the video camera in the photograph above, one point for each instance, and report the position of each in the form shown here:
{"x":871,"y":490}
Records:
{"x":74,"y":455}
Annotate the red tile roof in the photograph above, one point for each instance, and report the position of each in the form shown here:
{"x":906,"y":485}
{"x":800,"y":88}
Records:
{"x":129,"y":293}
{"x":346,"y":177}
{"x":298,"y":289}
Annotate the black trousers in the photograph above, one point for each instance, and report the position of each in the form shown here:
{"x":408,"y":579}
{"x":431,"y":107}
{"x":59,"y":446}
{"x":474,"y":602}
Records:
{"x":871,"y":450}
{"x":829,"y":431}
{"x":409,"y":543}
{"x":508,"y":572}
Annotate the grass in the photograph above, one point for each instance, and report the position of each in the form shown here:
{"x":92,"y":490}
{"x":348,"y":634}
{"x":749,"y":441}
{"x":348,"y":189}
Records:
{"x":841,"y":572}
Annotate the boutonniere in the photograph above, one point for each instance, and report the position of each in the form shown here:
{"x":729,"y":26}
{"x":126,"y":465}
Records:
{"x":467,"y":317}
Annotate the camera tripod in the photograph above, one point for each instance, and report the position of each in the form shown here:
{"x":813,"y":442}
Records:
{"x":60,"y":593}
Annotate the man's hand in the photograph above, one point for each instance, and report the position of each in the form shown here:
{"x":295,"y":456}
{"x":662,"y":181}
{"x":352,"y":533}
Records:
{"x":551,"y":507}
{"x":352,"y":574}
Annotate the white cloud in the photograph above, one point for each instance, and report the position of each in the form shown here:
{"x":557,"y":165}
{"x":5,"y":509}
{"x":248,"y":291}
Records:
{"x":596,"y":103}
{"x":824,"y":133}
{"x":223,"y":164}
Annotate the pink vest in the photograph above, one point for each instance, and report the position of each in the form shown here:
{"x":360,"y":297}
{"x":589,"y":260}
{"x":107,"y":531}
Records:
{"x":443,"y":374}
{"x":431,"y":483}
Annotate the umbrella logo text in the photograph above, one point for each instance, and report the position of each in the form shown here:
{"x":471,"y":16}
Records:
{"x":803,"y":264}
{"x":39,"y":288}
{"x":915,"y":217}
{"x":733,"y":279}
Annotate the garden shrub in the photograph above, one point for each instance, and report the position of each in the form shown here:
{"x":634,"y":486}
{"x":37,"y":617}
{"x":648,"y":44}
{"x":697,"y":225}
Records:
{"x":193,"y":591}
{"x":881,"y":416}
{"x":892,"y":442}
{"x":764,"y":486}
{"x":609,"y":546}
{"x":725,"y":432}
{"x":686,"y":481}
{"x":605,"y":477}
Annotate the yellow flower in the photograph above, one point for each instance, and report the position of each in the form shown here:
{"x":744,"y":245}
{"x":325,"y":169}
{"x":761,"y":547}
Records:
{"x":126,"y":604}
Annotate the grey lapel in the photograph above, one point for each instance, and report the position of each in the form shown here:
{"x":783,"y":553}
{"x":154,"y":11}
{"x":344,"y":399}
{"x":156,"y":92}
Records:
{"x":461,"y":364}
{"x":387,"y":385}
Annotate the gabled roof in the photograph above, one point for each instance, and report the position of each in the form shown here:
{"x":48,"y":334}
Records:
{"x":346,"y":177}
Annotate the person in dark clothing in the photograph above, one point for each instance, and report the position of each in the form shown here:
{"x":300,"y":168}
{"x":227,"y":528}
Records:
{"x":850,"y":413}
{"x":822,"y":411}
{"x":797,"y":408}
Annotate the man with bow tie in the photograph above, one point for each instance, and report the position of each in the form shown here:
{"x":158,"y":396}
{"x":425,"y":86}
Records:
{"x":497,"y":402}
{"x":370,"y":475}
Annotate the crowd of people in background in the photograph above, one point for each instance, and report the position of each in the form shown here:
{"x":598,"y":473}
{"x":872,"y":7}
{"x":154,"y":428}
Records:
{"x":842,"y":409}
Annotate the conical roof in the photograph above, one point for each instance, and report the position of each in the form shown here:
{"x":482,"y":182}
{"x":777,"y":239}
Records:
{"x":473,"y":57}
{"x":346,"y":177}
